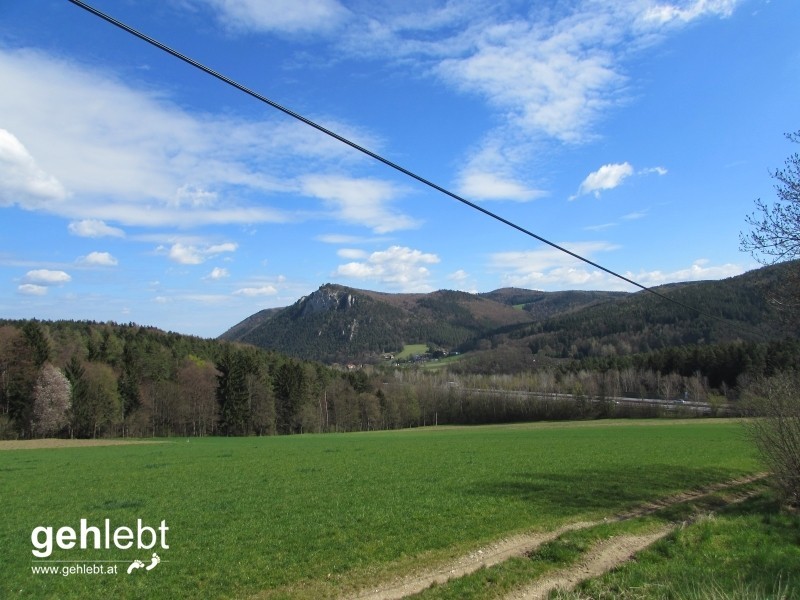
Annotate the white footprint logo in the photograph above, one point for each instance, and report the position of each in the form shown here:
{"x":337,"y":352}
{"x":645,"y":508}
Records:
{"x":153,"y":562}
{"x":137,"y":564}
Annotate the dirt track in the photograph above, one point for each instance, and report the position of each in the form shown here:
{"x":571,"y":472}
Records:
{"x":600,"y":559}
{"x":58,"y":443}
{"x":603,"y":557}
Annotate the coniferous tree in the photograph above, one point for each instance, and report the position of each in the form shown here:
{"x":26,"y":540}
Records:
{"x":290,"y":387}
{"x":232,"y":394}
{"x":37,"y":341}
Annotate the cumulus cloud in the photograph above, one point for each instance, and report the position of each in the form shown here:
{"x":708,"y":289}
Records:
{"x":47,"y":277}
{"x":606,"y":177}
{"x":99,"y":259}
{"x":93,"y":228}
{"x":398,"y":267}
{"x":22,"y":181}
{"x":218,"y":273}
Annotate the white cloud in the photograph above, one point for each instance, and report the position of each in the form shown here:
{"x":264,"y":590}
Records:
{"x":100,"y":259}
{"x":360,"y":201}
{"x":657,"y":170}
{"x":47,"y":277}
{"x":351,"y":253}
{"x":218,"y":273}
{"x":253,"y":292}
{"x":700,"y":270}
{"x":30,"y":289}
{"x":611,"y":176}
{"x":688,"y":11}
{"x":280,"y":15}
{"x":460,"y":275}
{"x":640,"y":214}
{"x":554,"y":79}
{"x":399,"y":267}
{"x":335,"y":238}
{"x":92,"y":228}
{"x":194,"y":197}
{"x":185,"y":254}
{"x":600,"y":227}
{"x":549,"y":268}
{"x":606,"y":177}
{"x":463,"y":281}
{"x":547,"y":73}
{"x":220,"y":248}
{"x":135,"y":158}
{"x":22,"y":181}
{"x":488,"y":186}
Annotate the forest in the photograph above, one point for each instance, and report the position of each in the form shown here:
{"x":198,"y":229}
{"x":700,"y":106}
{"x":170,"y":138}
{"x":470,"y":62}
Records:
{"x":86,"y":380}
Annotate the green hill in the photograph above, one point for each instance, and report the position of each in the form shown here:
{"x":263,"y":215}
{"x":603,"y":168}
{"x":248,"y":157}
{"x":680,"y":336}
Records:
{"x":341,"y":324}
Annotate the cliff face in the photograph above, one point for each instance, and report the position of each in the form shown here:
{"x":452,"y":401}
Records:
{"x":326,"y":299}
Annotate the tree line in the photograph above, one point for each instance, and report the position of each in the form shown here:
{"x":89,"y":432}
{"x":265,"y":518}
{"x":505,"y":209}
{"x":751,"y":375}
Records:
{"x":82,"y":379}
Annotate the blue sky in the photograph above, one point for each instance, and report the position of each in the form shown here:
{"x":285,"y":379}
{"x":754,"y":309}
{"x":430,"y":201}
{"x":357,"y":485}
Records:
{"x":134,"y":188}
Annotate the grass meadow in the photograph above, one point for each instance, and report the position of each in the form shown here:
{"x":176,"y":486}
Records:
{"x":316,"y":516}
{"x":410,"y":350}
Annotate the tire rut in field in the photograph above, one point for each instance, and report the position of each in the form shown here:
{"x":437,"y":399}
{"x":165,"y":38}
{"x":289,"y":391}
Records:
{"x":487,"y":556}
{"x":520,"y":545}
{"x":603,"y":557}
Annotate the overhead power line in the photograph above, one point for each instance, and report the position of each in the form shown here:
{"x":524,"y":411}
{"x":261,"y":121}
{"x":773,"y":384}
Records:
{"x":378,"y":157}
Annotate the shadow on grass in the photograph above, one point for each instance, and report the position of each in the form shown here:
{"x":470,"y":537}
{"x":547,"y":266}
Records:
{"x":602,"y":490}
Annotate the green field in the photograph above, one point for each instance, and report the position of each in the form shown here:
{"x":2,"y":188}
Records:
{"x":410,"y":350}
{"x":315,"y":516}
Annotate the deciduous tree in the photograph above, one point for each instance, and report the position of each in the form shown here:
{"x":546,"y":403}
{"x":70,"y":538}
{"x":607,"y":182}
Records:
{"x":51,"y":401}
{"x":775,"y":237}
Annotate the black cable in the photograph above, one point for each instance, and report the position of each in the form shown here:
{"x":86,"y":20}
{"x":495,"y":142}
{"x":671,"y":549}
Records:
{"x":376,"y":156}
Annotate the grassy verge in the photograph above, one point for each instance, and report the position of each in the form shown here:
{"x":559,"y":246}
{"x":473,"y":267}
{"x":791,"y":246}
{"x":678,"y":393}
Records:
{"x":749,"y":551}
{"x":312,"y":516}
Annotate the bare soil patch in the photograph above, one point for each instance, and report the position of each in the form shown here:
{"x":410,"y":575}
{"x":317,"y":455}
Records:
{"x":605,"y":556}
{"x":600,"y":559}
{"x":58,"y":443}
{"x":485,"y":556}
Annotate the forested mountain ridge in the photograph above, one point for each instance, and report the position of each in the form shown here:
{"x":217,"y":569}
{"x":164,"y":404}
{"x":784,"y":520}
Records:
{"x":704,"y":312}
{"x":337,"y":323}
{"x":541,"y":305}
